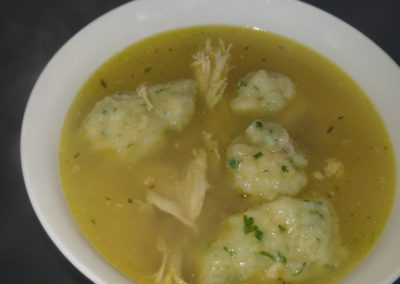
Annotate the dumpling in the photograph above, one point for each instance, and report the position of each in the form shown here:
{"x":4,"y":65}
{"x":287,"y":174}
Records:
{"x":264,"y":162}
{"x":262,"y":92}
{"x":288,"y":239}
{"x":174,"y":102}
{"x":135,"y":124}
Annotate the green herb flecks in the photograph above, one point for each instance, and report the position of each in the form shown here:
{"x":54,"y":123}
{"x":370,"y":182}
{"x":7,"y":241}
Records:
{"x":130,"y":200}
{"x":76,"y":155}
{"x":276,"y":258}
{"x":230,"y":251}
{"x":282,"y":228}
{"x":233,"y":163}
{"x":300,"y":270}
{"x":103,"y":83}
{"x":267,"y":254}
{"x":148,"y":69}
{"x":315,"y":202}
{"x":93,"y":221}
{"x":240,"y":84}
{"x":259,"y":124}
{"x":249,"y":227}
{"x":258,"y":233}
{"x":160,"y":90}
{"x":258,"y":155}
{"x":248,"y":223}
{"x":285,"y":169}
{"x":281,"y":258}
{"x":317,"y":212}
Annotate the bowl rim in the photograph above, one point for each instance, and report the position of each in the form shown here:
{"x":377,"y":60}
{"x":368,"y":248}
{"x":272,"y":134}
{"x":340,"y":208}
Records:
{"x":338,"y":37}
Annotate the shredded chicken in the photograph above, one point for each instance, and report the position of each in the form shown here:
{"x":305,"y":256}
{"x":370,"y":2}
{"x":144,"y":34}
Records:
{"x":149,"y":182}
{"x":187,"y":194}
{"x":142,"y":93}
{"x":170,"y":269}
{"x":332,"y":168}
{"x":211,"y":68}
{"x":211,"y":144}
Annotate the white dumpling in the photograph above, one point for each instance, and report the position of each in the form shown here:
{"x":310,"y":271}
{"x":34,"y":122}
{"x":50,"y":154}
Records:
{"x":288,"y":239}
{"x":264,"y":162}
{"x":173,"y":102}
{"x":262,"y":92}
{"x":135,"y":124}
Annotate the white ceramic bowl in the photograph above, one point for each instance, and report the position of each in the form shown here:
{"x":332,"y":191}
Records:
{"x":365,"y":62}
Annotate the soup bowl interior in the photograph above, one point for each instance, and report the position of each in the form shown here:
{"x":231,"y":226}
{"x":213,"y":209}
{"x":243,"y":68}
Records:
{"x":365,"y":62}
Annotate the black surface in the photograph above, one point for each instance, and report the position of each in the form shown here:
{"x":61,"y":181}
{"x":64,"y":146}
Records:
{"x":30,"y":33}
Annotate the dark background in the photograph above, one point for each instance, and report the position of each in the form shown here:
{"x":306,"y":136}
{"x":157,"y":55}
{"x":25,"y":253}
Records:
{"x":30,"y":34}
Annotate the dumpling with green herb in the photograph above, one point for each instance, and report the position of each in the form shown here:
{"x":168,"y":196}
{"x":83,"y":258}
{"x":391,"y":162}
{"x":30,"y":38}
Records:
{"x":265,"y":163}
{"x":134,"y":124}
{"x":262,"y":92}
{"x":288,"y":239}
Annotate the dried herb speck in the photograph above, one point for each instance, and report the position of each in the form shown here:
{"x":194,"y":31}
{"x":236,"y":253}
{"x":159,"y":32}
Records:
{"x":103,"y":83}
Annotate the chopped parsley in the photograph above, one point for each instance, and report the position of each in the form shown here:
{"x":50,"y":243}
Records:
{"x":285,"y":169}
{"x":267,"y":254}
{"x":233,"y":163}
{"x":282,"y":228}
{"x":281,"y":258}
{"x":230,"y":251}
{"x":76,"y":155}
{"x":160,"y":90}
{"x":259,"y":124}
{"x":329,"y":130}
{"x":316,"y":202}
{"x":300,"y":270}
{"x":148,"y":69}
{"x":129,"y":145}
{"x":241,"y":84}
{"x":103,"y":83}
{"x":248,"y":223}
{"x":249,"y":227}
{"x":258,"y":233}
{"x":93,"y":221}
{"x":316,"y":212}
{"x":258,"y":155}
{"x":276,"y":258}
{"x":130,"y":200}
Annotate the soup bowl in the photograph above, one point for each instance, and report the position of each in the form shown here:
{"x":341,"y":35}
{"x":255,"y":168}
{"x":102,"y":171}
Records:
{"x":365,"y":62}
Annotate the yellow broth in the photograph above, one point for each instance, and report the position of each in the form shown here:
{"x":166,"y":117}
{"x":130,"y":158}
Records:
{"x":329,"y":117}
